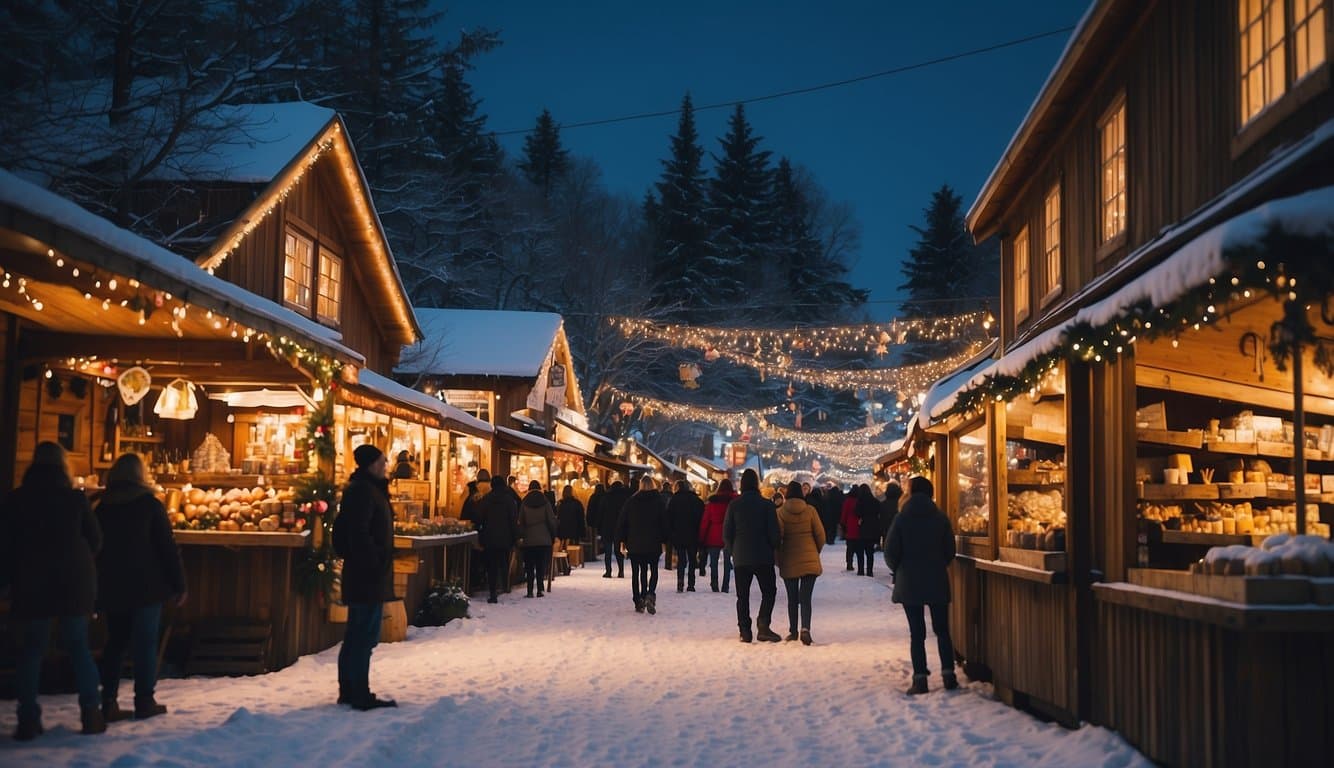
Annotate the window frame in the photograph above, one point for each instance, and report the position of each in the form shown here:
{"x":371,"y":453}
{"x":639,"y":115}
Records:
{"x":1298,"y":91}
{"x":290,"y":231}
{"x":1107,"y":245}
{"x":329,"y":254}
{"x":1053,"y":279}
{"x":1022,"y":314}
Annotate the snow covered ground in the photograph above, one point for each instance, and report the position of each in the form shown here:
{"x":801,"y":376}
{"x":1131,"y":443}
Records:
{"x":579,"y":679}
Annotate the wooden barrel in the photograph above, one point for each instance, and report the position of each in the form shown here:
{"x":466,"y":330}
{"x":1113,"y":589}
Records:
{"x":394,"y":627}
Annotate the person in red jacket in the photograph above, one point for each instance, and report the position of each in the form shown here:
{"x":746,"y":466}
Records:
{"x":852,"y":530}
{"x":711,"y":533}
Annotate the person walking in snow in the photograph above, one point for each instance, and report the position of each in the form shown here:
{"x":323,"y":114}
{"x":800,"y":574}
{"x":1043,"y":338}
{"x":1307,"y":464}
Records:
{"x":852,"y":531}
{"x":537,"y":530}
{"x":750,"y":533}
{"x":569,"y":520}
{"x":138,"y":569}
{"x":685,"y":511}
{"x":711,"y":533}
{"x":49,"y":537}
{"x":363,"y":536}
{"x":868,"y":518}
{"x":831,"y":511}
{"x":643,"y":529}
{"x":889,"y":509}
{"x":920,"y":548}
{"x":802,"y":536}
{"x":497,"y":530}
{"x":608,"y":520}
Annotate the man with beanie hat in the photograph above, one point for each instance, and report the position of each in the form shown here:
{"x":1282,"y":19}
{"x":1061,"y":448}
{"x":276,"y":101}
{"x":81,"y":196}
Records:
{"x":750,"y":533}
{"x":363,"y":536}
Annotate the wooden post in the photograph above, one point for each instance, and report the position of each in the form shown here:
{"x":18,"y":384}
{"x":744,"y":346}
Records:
{"x":11,"y":386}
{"x":1298,"y":438}
{"x":1081,"y":502}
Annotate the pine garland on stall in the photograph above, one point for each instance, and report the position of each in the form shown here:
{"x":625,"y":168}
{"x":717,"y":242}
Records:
{"x":315,"y":572}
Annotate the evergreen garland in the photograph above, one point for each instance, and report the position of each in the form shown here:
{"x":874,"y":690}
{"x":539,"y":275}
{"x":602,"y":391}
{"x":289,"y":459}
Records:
{"x":1293,"y":268}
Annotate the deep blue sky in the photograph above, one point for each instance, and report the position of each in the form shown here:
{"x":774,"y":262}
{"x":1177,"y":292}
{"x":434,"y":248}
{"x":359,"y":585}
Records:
{"x":884,"y":145}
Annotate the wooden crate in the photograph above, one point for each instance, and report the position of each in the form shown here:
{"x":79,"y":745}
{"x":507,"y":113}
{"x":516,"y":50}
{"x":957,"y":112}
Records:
{"x":1161,"y":491}
{"x":228,"y":647}
{"x":407,"y":563}
{"x":1033,"y":558}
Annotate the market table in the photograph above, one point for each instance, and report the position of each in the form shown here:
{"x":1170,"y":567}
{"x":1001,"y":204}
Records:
{"x":446,"y":557}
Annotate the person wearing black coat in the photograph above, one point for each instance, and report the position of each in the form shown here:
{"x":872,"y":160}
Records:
{"x":138,"y":569}
{"x":751,"y":534}
{"x":643,"y":528}
{"x":50,"y":537}
{"x":497,"y":530}
{"x":831,"y":511}
{"x":868,"y":512}
{"x":609,"y":514}
{"x":685,"y":510}
{"x":363,"y":536}
{"x":889,"y":509}
{"x":919,"y":549}
{"x":570,"y":518}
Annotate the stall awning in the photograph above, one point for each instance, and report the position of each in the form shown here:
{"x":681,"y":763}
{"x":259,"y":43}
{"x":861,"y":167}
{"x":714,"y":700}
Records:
{"x":585,"y":431}
{"x":263,"y":398}
{"x":710,"y":468}
{"x":432,"y":410}
{"x":897,"y":451}
{"x":611,"y":462}
{"x":526,"y":443}
{"x":668,"y":468}
{"x":1192,"y":266}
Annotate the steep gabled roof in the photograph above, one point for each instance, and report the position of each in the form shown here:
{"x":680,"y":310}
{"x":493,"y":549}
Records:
{"x":481,"y":342}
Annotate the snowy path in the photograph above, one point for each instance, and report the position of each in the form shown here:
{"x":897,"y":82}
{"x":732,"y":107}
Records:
{"x":577,"y":678}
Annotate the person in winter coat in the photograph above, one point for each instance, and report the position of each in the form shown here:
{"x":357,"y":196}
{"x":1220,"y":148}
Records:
{"x":852,"y":531}
{"x":750,"y":533}
{"x":686,"y":512}
{"x":138,"y":569}
{"x":711,"y":533}
{"x":889,"y":508}
{"x":643,"y":529}
{"x":868,"y":518}
{"x":537,"y":529}
{"x":498,"y":530}
{"x":802,"y":535}
{"x":610,"y":513}
{"x":470,"y":502}
{"x":49,"y":538}
{"x":831,"y":511}
{"x":920,"y":548}
{"x":569,"y":518}
{"x":364,"y":537}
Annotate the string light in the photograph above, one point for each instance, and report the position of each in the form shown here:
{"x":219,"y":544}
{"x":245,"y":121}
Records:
{"x":907,"y":378}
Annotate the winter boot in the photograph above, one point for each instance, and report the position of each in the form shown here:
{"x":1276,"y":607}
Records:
{"x":112,"y":713}
{"x":690,"y":588}
{"x":540,"y":593}
{"x":745,"y":635}
{"x":766,"y":635}
{"x":639,"y":605}
{"x":651,"y":603}
{"x":607,"y":575}
{"x":369,"y":701}
{"x":92,"y":720}
{"x":950,"y":681}
{"x":918,"y":686}
{"x":146,"y":707}
{"x":28,"y":728}
{"x":791,"y":635}
{"x":680,"y":585}
{"x":806,"y":637}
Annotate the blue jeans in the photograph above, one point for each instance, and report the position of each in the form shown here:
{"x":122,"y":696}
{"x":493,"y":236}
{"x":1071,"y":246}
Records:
{"x":713,"y":566}
{"x":360,"y":638}
{"x":137,"y":630}
{"x":27,"y":678}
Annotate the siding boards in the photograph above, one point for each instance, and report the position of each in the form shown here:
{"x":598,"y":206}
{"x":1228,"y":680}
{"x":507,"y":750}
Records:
{"x":1025,"y":625}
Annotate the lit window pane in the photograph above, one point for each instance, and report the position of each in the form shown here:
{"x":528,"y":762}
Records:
{"x":1021,"y":275}
{"x":297,"y":268}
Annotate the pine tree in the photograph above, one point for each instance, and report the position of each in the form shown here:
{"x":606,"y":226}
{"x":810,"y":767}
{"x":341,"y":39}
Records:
{"x":812,"y":288}
{"x":739,"y":211}
{"x":544,"y":161}
{"x":940,"y":269}
{"x":680,"y":234}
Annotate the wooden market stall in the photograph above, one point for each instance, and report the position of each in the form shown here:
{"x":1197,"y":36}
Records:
{"x":1162,"y":389}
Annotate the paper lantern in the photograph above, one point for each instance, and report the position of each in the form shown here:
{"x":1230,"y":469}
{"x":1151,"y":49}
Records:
{"x":177,"y":401}
{"x":134,"y":383}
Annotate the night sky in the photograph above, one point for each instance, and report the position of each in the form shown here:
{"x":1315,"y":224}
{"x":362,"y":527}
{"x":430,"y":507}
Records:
{"x":885,"y":145}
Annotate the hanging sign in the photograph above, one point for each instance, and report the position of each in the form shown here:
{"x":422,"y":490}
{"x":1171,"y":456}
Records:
{"x":134,"y":383}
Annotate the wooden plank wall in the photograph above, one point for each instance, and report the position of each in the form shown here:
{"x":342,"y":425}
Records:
{"x":1190,"y":693}
{"x":1026,"y":638}
{"x":966,"y":611}
{"x":255,"y":583}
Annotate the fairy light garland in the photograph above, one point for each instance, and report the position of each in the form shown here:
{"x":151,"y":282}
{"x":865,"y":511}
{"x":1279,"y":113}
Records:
{"x":774,"y":348}
{"x":1305,"y":280}
{"x":904,"y":379}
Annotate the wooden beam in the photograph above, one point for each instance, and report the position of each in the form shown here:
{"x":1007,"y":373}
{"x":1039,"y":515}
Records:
{"x":1207,"y":386}
{"x":47,"y":345}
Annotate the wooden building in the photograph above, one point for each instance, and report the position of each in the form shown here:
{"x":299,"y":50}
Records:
{"x":1165,"y":211}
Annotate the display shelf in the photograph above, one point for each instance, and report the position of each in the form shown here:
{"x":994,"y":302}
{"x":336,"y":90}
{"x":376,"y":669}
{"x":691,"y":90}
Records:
{"x":1034,"y":435}
{"x":1018,"y":571}
{"x":1035,"y":477}
{"x":1034,"y":558}
{"x":1241,"y":491}
{"x":1191,"y":438}
{"x":1205,"y":539}
{"x":228,"y":480}
{"x":1267,"y":449}
{"x":1164,"y":492}
{"x":1235,"y":449}
{"x":153,"y":439}
{"x":1246,"y":590}
{"x":244,"y":538}
{"x":436,"y":540}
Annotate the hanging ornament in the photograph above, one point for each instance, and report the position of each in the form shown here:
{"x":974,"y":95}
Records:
{"x":711,"y":354}
{"x":798,"y":421}
{"x":689,"y":373}
{"x":790,"y":390}
{"x":177,"y":401}
{"x":134,"y":383}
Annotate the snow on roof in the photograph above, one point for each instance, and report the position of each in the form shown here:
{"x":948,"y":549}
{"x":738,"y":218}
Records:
{"x":599,"y":437}
{"x":941,"y":396}
{"x":392,"y":389}
{"x":537,"y":440}
{"x":481,"y":342}
{"x":153,"y":263}
{"x":1310,"y":214}
{"x":255,"y":142}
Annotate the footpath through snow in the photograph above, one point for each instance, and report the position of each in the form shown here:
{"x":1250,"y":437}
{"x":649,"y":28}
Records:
{"x":577,"y":678}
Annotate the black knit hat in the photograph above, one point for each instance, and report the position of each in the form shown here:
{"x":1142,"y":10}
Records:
{"x":366,"y":455}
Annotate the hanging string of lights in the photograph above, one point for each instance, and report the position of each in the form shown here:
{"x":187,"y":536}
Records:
{"x":902,"y":379}
{"x":775,"y":348}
